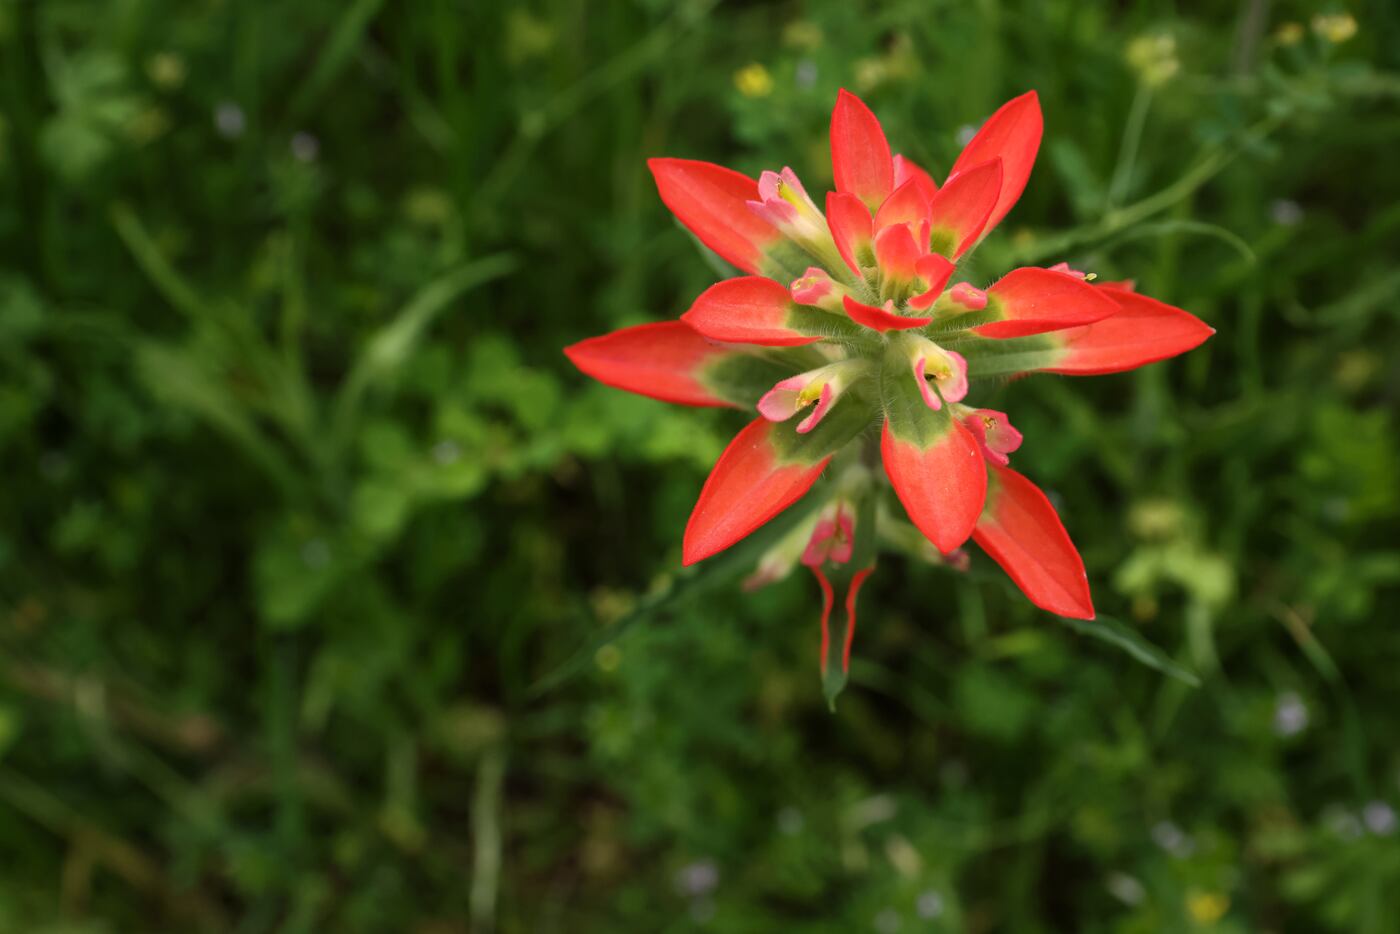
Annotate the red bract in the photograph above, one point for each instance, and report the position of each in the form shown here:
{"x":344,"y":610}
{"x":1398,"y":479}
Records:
{"x":854,"y":343}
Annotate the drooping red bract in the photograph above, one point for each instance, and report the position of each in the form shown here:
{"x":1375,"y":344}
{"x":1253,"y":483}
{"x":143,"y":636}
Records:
{"x":1022,"y":533}
{"x":749,"y":485}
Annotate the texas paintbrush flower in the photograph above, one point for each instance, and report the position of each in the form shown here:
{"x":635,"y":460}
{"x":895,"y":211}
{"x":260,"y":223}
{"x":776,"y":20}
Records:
{"x":851,"y":319}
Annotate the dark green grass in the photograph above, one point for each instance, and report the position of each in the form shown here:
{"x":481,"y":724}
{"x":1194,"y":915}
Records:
{"x":332,"y":599}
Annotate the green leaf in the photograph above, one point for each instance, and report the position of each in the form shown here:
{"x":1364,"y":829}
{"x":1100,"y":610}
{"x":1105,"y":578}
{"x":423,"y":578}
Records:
{"x":183,"y":377}
{"x":336,"y":54}
{"x":1116,"y":633}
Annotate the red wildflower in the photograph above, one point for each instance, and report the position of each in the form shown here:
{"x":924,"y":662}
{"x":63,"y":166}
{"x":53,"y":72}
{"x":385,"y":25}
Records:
{"x":850,"y":317}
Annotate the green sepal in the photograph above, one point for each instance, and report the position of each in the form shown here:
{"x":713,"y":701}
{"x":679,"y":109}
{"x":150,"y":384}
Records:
{"x":784,"y":261}
{"x":829,"y":326}
{"x":989,"y":358}
{"x":848,"y":417}
{"x":742,"y":378}
{"x":909,"y":418}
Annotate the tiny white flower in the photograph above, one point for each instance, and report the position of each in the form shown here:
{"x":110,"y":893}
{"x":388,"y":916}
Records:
{"x":1379,"y":818}
{"x":1125,"y":888}
{"x":1171,"y":838}
{"x":1285,"y":212}
{"x":229,"y":120}
{"x":929,"y":905}
{"x":305,"y":147}
{"x":1290,"y":714}
{"x":697,"y":878}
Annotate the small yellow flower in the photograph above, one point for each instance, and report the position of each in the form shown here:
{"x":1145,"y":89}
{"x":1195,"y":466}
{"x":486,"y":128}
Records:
{"x":802,"y":34}
{"x":1156,"y":519}
{"x":609,"y":605}
{"x":528,"y":36}
{"x":903,"y":856}
{"x":148,"y":126}
{"x":902,"y":63}
{"x":1206,"y":907}
{"x":753,"y":81}
{"x":431,"y":207}
{"x":166,"y":70}
{"x":1153,"y":57}
{"x":870,"y":73}
{"x":1334,"y":27}
{"x":1356,"y":368}
{"x":1289,"y":33}
{"x":608,"y":658}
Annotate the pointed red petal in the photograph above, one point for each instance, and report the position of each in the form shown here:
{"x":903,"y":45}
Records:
{"x":942,"y":486}
{"x":860,"y":155}
{"x":1013,"y":133}
{"x":1031,"y":300}
{"x":849,"y":221}
{"x":907,"y":205}
{"x":935,"y":271}
{"x":1023,"y":534}
{"x":905,"y":169}
{"x":880,"y":319}
{"x":1143,"y":331}
{"x":897,"y":253}
{"x":712,"y":202}
{"x":958,"y":213}
{"x":661,"y":360}
{"x":748,"y":486}
{"x":750,"y":310}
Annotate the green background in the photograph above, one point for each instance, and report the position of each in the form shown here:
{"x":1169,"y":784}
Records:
{"x":333,"y":599}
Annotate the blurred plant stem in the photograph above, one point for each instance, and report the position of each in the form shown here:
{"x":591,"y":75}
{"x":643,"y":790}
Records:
{"x":1207,"y":167}
{"x":486,"y":839}
{"x":1128,"y":149}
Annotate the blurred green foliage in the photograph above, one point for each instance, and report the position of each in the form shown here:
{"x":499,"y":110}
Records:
{"x":333,"y":599}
